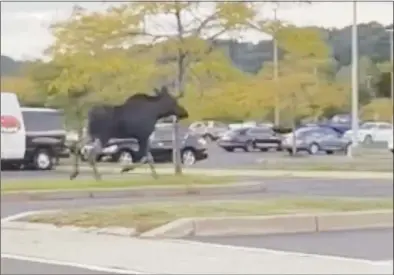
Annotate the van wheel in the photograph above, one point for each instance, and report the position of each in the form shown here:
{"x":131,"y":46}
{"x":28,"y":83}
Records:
{"x":43,"y":160}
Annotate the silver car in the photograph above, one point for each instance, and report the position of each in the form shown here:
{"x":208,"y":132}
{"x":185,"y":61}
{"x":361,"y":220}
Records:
{"x":210,"y":130}
{"x":316,"y":139}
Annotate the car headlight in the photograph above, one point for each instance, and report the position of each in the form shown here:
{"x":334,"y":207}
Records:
{"x":110,"y":149}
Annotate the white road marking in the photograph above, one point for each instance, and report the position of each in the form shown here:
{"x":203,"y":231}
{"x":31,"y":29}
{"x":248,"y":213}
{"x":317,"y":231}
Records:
{"x":285,"y":253}
{"x":75,"y":265}
{"x":26,"y":214}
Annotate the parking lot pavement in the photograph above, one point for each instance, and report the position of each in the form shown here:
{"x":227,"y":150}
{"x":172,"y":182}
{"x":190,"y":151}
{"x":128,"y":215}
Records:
{"x":375,"y":245}
{"x":12,"y":266}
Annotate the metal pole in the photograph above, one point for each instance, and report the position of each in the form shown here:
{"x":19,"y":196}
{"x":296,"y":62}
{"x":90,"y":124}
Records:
{"x":392,"y":72}
{"x":354,"y":82}
{"x":275,"y":61}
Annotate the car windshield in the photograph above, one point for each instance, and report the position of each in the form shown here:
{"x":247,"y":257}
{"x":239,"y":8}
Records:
{"x":367,"y":126}
{"x":304,"y":131}
{"x":235,"y":132}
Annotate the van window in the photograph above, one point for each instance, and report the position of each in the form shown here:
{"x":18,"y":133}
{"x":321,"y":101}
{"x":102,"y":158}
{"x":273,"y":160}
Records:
{"x":36,"y":121}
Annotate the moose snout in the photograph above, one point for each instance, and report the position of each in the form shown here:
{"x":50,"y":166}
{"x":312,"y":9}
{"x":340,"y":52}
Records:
{"x":182,"y":113}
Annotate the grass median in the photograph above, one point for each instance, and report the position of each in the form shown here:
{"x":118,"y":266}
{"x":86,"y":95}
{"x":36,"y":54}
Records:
{"x":146,"y":217}
{"x":111,"y":183}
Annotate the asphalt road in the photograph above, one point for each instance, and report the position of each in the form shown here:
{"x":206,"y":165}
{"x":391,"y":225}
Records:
{"x":376,"y":245}
{"x":10,"y":266}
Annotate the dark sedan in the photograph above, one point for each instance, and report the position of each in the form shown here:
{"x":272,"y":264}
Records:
{"x":193,"y":148}
{"x":250,"y":139}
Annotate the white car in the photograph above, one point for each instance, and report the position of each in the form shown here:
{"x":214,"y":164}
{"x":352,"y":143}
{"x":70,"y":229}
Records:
{"x":370,"y":132}
{"x":390,"y":143}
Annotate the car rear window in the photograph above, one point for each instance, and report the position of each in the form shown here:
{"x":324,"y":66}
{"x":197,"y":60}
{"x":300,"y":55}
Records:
{"x":43,"y":121}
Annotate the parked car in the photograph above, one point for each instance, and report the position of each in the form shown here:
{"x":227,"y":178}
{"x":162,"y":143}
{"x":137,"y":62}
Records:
{"x":250,"y":138}
{"x":193,"y":148}
{"x":316,"y":139}
{"x":370,"y":132}
{"x":390,"y":143}
{"x":210,"y":130}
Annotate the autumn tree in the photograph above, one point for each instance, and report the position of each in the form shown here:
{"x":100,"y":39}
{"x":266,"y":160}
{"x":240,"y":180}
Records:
{"x":167,"y":42}
{"x":24,"y":88}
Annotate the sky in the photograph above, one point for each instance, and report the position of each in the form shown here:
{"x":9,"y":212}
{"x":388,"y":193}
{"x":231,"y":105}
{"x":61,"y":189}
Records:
{"x":25,"y":33}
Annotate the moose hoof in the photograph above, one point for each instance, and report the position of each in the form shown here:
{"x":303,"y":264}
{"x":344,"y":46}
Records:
{"x":126,"y":169}
{"x":73,"y":176}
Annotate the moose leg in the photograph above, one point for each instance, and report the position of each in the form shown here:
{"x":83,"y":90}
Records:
{"x":74,"y":150}
{"x":150,"y":161}
{"x":147,"y":157}
{"x":92,"y":157}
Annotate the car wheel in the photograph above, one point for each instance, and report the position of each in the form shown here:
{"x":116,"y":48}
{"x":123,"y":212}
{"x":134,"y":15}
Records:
{"x":43,"y":160}
{"x":188,"y":157}
{"x":313,"y":149}
{"x":125,"y":157}
{"x":368,"y":139}
{"x":249,"y":147}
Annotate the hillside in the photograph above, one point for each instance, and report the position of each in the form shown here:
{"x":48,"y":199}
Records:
{"x":9,"y":66}
{"x":374,"y":42}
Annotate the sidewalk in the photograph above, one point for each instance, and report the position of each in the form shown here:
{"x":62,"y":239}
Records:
{"x":172,"y":256}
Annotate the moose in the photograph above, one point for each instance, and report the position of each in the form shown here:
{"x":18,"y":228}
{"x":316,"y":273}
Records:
{"x":135,"y":118}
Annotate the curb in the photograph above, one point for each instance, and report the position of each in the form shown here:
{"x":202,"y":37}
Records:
{"x":276,"y":224}
{"x":232,"y":226}
{"x":251,"y":173}
{"x":140,"y":192}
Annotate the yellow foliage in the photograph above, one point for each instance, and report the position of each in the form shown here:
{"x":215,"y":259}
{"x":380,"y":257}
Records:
{"x":378,"y":109}
{"x":22,"y":86}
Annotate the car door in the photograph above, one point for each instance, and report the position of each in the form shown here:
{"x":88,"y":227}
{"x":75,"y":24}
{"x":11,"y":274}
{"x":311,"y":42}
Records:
{"x":384,"y":132}
{"x":331,"y":140}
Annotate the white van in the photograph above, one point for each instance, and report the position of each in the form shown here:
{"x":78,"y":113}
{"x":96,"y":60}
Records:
{"x":13,"y":135}
{"x":30,"y":136}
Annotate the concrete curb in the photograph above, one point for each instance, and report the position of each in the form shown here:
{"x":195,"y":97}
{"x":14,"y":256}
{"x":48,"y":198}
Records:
{"x":252,"y":173}
{"x":227,"y":226}
{"x":259,"y":225}
{"x":148,"y":191}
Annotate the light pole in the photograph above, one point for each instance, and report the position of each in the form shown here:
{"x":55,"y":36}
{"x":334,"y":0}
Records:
{"x":275,"y":61}
{"x":391,"y":71}
{"x":354,"y":82}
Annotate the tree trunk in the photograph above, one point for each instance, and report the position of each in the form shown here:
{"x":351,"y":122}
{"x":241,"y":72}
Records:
{"x":176,"y":154}
{"x":293,"y":125}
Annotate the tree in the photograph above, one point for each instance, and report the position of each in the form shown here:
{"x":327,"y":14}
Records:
{"x":24,"y":88}
{"x":175,"y":54}
{"x":304,"y":80}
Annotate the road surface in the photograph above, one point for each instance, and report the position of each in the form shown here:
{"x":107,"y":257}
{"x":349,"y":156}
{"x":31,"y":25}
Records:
{"x":11,"y":266}
{"x":375,"y":245}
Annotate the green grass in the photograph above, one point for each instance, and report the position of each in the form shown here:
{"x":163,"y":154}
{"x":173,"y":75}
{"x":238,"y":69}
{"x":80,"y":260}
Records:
{"x":120,"y":182}
{"x":146,"y":217}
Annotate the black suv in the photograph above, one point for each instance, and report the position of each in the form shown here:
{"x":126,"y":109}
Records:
{"x":45,"y":137}
{"x":193,"y":148}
